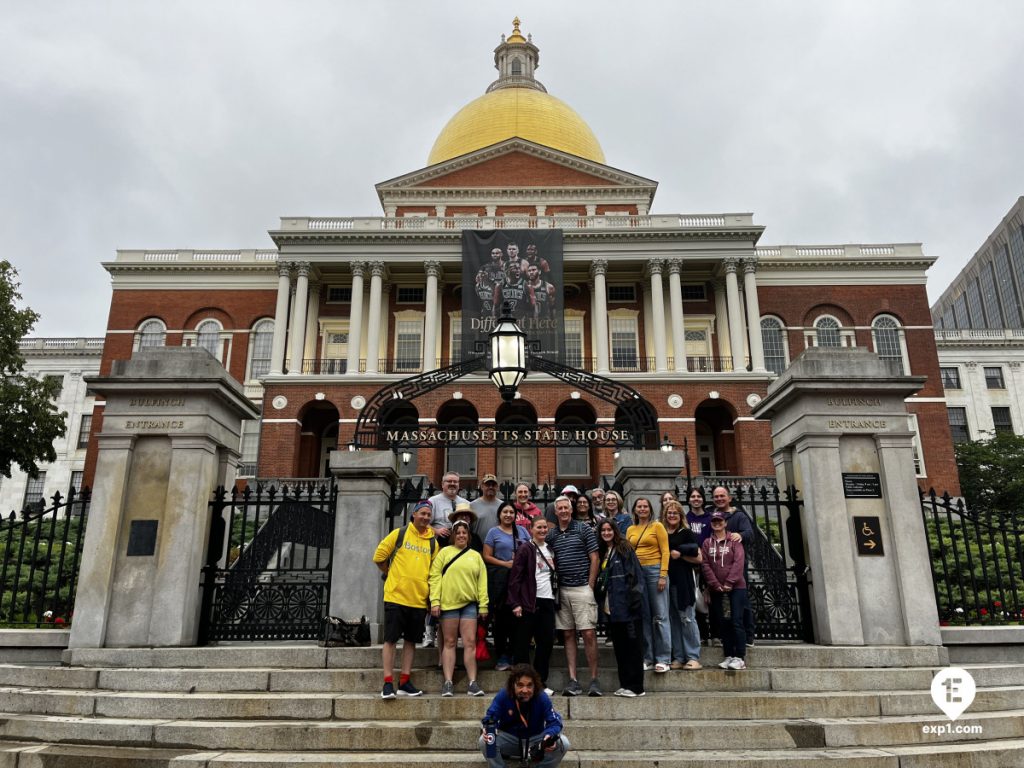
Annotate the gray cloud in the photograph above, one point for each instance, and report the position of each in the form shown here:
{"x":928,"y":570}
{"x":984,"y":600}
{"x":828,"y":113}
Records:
{"x":166,"y":125}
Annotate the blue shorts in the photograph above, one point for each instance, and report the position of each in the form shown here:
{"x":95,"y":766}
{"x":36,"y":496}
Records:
{"x":465,"y":612}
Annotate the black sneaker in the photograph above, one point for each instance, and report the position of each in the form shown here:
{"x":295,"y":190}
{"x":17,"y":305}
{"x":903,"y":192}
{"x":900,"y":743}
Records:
{"x":572,"y":689}
{"x":408,"y":689}
{"x":388,"y":691}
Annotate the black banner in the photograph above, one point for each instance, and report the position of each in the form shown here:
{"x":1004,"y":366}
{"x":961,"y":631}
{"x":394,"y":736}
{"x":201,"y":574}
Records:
{"x":523,"y":269}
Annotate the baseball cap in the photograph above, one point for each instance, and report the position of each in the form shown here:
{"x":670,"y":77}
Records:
{"x":421,"y":504}
{"x":717,"y":516}
{"x":570,"y":489}
{"x":489,"y":478}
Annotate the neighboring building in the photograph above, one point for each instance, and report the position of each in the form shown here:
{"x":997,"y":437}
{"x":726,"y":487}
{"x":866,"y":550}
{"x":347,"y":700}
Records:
{"x":690,"y":310}
{"x":69,"y":360}
{"x":979,"y":323}
{"x":989,"y":291}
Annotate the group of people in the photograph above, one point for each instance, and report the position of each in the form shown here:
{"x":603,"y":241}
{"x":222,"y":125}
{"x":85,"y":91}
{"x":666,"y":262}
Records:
{"x":584,"y":560}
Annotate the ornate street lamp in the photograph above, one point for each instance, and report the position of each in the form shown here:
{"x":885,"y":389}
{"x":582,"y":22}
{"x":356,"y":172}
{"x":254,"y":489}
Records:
{"x":406,"y":456}
{"x":508,"y":355}
{"x":666,"y":445}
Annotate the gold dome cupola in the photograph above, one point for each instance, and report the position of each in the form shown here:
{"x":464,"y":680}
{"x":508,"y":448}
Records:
{"x":516,"y":105}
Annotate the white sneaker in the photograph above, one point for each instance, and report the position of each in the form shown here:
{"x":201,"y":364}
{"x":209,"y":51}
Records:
{"x":550,"y":692}
{"x":628,"y":694}
{"x":726,"y":662}
{"x":428,"y":638}
{"x":737,"y":663}
{"x":648,"y":666}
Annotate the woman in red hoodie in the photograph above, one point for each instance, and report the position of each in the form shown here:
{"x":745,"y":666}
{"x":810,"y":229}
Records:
{"x":722,"y":564}
{"x":526,"y":510}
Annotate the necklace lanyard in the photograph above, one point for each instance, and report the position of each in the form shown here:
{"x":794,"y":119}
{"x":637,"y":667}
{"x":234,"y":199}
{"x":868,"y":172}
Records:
{"x":525,"y":722}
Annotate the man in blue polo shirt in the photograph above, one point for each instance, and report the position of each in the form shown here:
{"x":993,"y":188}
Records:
{"x":576,"y":563}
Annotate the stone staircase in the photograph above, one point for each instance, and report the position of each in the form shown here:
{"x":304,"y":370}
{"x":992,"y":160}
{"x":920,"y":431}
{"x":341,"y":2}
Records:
{"x":307,"y":707}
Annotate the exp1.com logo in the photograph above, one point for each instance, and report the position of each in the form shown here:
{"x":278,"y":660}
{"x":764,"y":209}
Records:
{"x":953,"y":691}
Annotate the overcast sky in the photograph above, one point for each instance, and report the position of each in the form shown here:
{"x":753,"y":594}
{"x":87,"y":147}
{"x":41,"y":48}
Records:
{"x":158,"y":125}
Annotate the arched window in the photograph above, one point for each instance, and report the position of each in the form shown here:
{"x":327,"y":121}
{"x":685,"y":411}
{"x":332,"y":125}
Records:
{"x":152,"y":333}
{"x":826,"y":331}
{"x":773,"y":338}
{"x":208,"y":337}
{"x":517,"y":67}
{"x":887,"y":335}
{"x":261,"y":340}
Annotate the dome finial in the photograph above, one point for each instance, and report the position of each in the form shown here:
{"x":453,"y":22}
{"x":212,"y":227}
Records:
{"x":516,"y":36}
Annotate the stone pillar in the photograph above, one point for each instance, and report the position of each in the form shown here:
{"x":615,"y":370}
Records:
{"x":840,"y":432}
{"x":721,"y":321}
{"x":675,"y":295}
{"x":732,"y":295}
{"x":310,"y":349}
{"x":298,"y":338}
{"x":599,"y":305}
{"x":433,"y":269}
{"x":355,"y":318}
{"x":365,"y":479}
{"x":284,"y":271}
{"x":373,"y":328}
{"x":753,"y":316}
{"x":171,"y":427}
{"x":647,"y":474}
{"x":653,"y":269}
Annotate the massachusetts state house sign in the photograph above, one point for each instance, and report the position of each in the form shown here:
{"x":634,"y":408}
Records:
{"x":519,"y":435}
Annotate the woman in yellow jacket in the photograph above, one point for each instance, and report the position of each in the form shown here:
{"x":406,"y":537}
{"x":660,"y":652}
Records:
{"x":650,"y":540}
{"x":458,"y":595}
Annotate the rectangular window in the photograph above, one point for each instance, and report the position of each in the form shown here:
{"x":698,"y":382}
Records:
{"x":337,"y":294}
{"x":34,"y":489}
{"x":977,"y":316}
{"x":623,"y":343}
{"x":455,"y":339}
{"x":408,"y":345}
{"x":994,"y":378}
{"x":84,"y":428}
{"x":958,"y":425}
{"x":76,"y":481}
{"x":572,"y":460}
{"x":1001,"y":419}
{"x":622,"y":293}
{"x":574,"y":343}
{"x":55,"y":378}
{"x":411,"y":295}
{"x":950,"y":378}
{"x":249,"y":448}
{"x":694,"y":293}
{"x":919,"y":469}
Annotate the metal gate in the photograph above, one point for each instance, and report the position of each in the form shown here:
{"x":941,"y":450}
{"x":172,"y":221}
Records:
{"x":777,"y":582}
{"x":268,"y":569}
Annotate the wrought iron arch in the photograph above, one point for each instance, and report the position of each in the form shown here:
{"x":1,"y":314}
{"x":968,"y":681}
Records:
{"x":639,"y":416}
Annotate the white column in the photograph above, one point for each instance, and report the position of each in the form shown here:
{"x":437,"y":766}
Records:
{"x":753,"y":316}
{"x":675,"y":296}
{"x":355,"y":318}
{"x":373,"y":329}
{"x":312,"y":315}
{"x":732,"y":296}
{"x":654,"y":267}
{"x":298,"y":340}
{"x":284,"y":280}
{"x":430,"y":318}
{"x":721,"y":320}
{"x":599,"y":302}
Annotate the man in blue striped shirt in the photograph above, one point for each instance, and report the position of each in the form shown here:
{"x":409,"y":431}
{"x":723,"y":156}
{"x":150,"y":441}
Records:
{"x":575,"y":548}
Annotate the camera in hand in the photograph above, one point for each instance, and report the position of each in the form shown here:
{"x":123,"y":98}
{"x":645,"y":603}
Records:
{"x":538,"y":749}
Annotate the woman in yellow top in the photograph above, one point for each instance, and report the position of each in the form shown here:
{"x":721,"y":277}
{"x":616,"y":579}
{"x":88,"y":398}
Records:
{"x":458,"y":594}
{"x":650,"y":540}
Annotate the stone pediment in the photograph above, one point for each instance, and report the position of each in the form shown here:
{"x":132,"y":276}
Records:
{"x":520,"y":165}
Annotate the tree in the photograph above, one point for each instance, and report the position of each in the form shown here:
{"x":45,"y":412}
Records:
{"x":30,"y":421}
{"x":992,"y":475}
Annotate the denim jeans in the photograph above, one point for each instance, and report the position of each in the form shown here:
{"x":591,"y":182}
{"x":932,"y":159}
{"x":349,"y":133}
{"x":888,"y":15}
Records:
{"x":685,"y":633}
{"x":657,"y":634}
{"x":509,"y":745}
{"x":734,"y":638}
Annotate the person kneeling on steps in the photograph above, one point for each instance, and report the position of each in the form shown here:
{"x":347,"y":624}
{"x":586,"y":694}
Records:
{"x":523,"y":724}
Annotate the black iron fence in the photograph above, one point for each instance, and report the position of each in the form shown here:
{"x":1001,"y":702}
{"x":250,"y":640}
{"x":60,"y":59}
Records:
{"x":977,"y":561}
{"x":268,"y":569}
{"x":42,"y":549}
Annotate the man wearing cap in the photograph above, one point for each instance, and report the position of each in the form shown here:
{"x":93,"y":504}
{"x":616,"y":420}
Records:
{"x":443,"y":505}
{"x":406,"y":570}
{"x":486,"y":506}
{"x":570,"y":492}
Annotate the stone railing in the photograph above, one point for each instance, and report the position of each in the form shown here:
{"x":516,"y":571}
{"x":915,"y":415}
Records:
{"x":835,"y":251}
{"x":187,"y":256}
{"x":514,"y":221}
{"x":61,"y":343}
{"x":980,"y":335}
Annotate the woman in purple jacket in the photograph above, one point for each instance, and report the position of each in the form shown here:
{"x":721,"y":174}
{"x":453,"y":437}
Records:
{"x":533,"y":595}
{"x":722,"y":564}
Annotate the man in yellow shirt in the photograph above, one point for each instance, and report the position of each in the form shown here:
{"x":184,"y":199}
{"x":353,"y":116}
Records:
{"x":404,"y":557}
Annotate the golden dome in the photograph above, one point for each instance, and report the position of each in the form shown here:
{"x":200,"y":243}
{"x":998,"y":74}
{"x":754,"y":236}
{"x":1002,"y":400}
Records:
{"x":525,"y":113}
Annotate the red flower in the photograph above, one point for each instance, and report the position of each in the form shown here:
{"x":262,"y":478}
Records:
{"x":60,"y":619}
{"x":997,"y":604}
{"x":983,"y":612}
